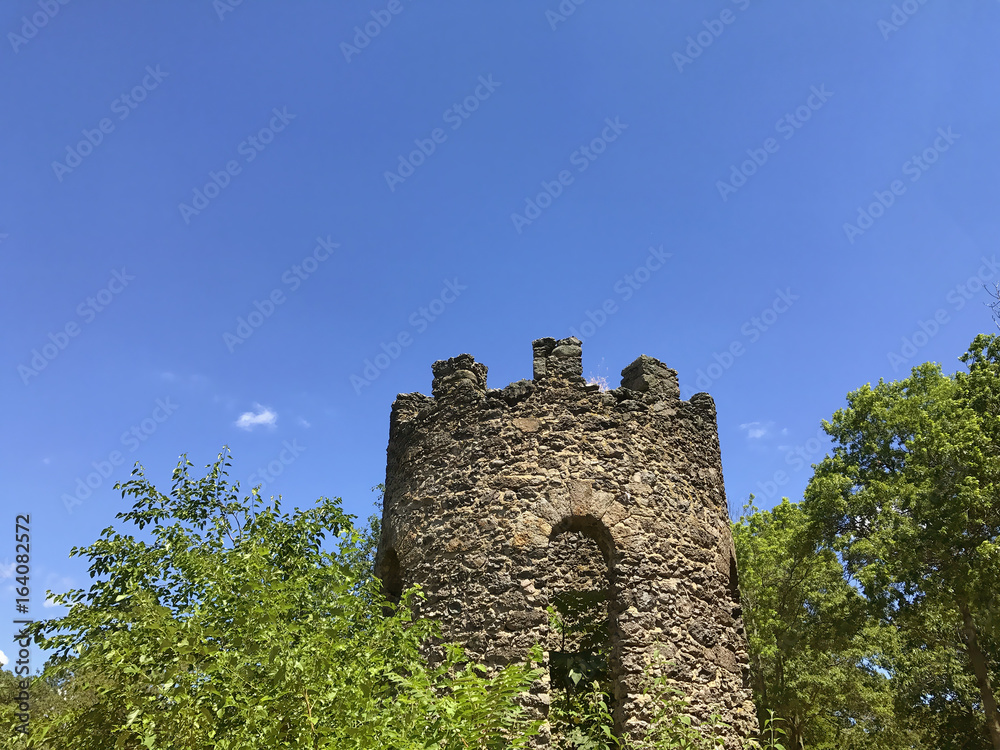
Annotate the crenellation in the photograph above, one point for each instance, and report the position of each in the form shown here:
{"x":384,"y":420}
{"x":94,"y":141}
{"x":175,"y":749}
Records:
{"x":560,"y":359}
{"x":459,"y":378}
{"x":650,"y":376}
{"x":501,"y":502}
{"x":407,"y":406}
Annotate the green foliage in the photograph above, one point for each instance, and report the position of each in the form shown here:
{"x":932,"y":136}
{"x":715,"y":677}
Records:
{"x":817,"y":661}
{"x":580,"y":716}
{"x":579,"y":674}
{"x":235,"y":625}
{"x":579,"y":620}
{"x":910,"y":501}
{"x":47,"y":697}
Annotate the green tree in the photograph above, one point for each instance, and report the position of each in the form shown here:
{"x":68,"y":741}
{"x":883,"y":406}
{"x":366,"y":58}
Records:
{"x":910,"y":499}
{"x":232,"y":624}
{"x":43,"y":700}
{"x":51,"y":694}
{"x":817,"y":663}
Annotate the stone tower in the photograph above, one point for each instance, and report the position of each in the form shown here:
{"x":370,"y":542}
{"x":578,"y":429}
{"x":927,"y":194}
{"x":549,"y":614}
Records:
{"x":500,"y":501}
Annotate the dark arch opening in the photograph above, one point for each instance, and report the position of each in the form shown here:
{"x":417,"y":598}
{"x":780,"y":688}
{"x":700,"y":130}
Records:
{"x":389,"y":574}
{"x":593,"y":529}
{"x":734,"y":582}
{"x":733,"y":587}
{"x":580,"y":588}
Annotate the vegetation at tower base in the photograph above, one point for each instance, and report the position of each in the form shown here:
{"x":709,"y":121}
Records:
{"x":237,"y":625}
{"x":225,"y":623}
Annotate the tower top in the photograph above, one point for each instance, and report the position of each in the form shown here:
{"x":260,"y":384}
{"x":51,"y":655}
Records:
{"x":506,"y":503}
{"x":556,"y":362}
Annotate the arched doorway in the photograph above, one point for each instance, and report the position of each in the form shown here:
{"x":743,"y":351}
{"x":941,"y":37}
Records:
{"x":580,"y":587}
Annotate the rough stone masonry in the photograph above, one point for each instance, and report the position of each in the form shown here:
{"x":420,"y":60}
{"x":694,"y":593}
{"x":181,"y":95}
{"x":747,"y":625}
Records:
{"x":497,"y":500}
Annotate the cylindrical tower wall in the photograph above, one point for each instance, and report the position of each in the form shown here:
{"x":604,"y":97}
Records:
{"x":483,"y":485}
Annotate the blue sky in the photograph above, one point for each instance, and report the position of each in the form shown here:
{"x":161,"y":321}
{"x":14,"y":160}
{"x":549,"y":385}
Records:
{"x":213,"y":217}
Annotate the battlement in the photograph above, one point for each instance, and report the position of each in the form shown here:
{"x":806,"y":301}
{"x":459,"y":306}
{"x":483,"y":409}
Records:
{"x":501,"y":502}
{"x":558,"y":360}
{"x":556,"y":363}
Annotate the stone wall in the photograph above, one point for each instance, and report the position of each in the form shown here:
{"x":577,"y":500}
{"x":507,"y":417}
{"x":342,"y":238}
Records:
{"x":498,"y":501}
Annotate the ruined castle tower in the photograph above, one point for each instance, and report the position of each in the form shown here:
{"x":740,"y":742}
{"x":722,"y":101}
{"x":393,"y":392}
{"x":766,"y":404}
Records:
{"x":503,"y":502}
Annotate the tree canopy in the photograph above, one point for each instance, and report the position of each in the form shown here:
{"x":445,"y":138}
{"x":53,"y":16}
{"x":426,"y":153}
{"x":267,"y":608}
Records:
{"x":910,"y":501}
{"x":817,"y":662}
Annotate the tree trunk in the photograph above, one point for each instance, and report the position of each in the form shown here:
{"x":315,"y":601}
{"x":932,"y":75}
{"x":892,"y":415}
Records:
{"x":981,"y":669}
{"x":795,"y":735}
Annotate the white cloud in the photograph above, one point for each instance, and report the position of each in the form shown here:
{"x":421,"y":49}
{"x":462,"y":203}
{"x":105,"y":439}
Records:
{"x":263,"y":416}
{"x":757,"y":430}
{"x":7,"y":570}
{"x":3,"y":659}
{"x":303,"y":422}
